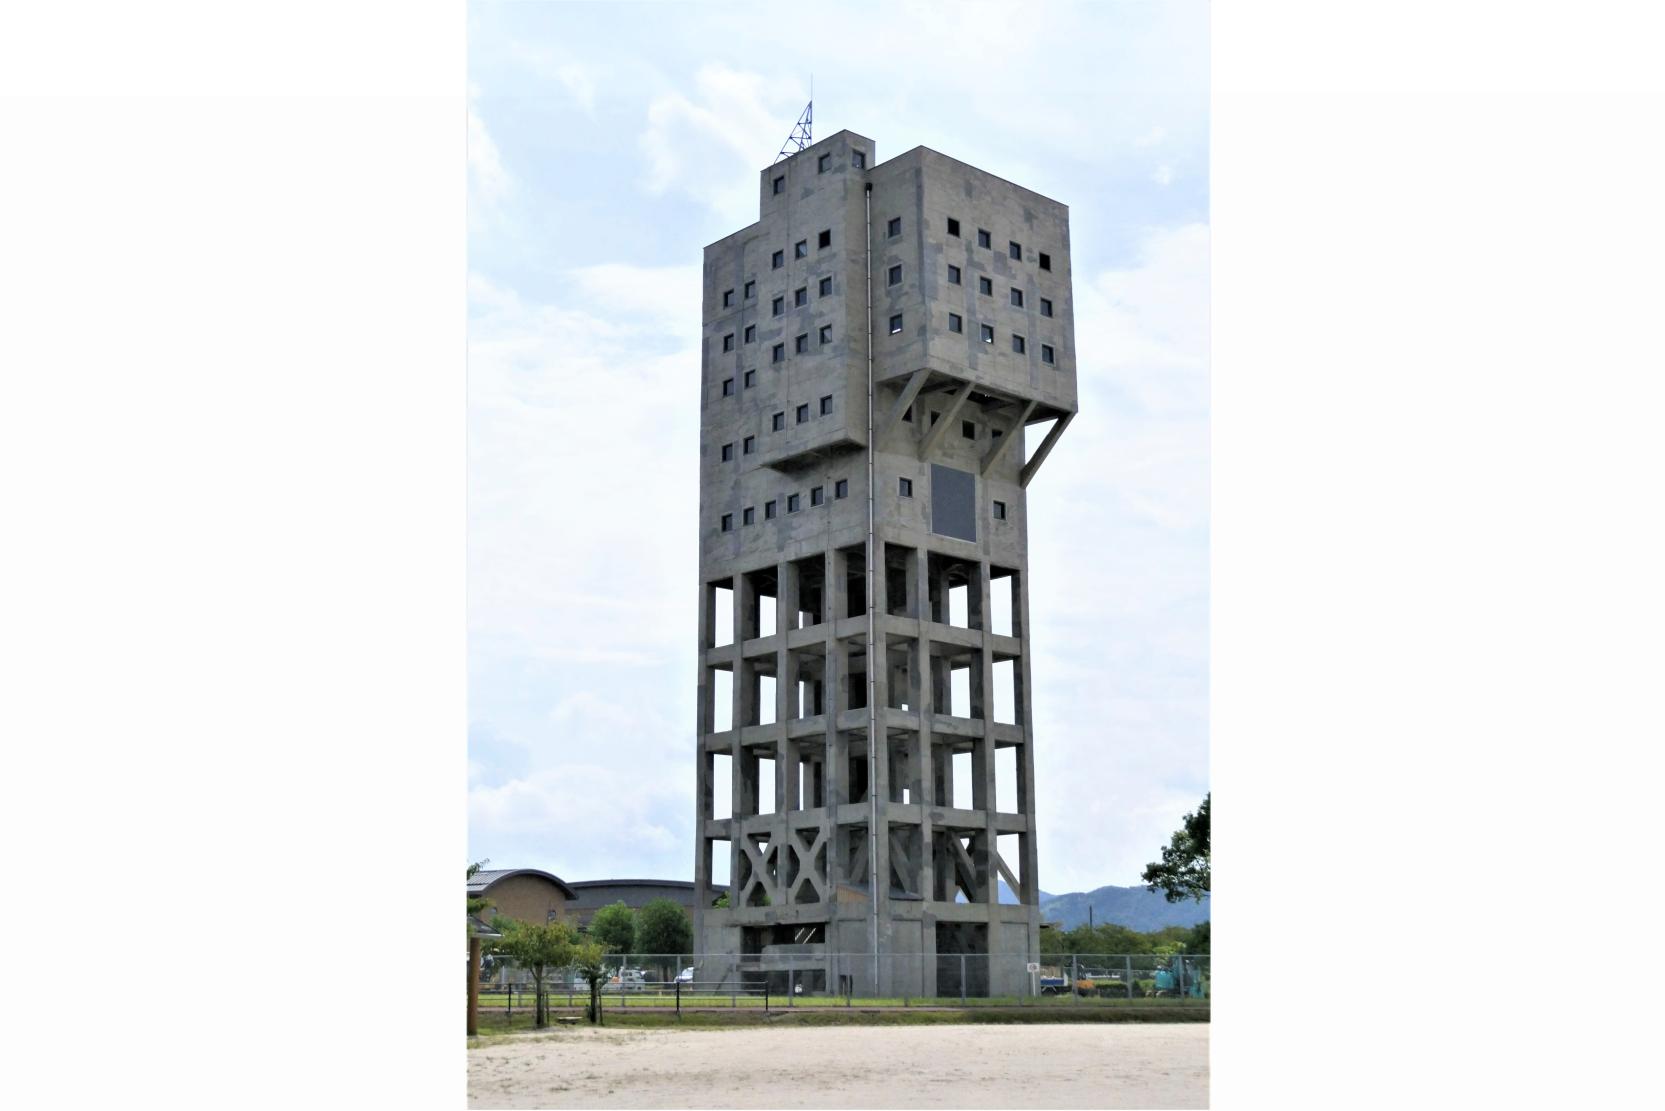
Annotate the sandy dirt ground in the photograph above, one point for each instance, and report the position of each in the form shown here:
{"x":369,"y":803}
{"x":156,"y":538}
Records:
{"x":1079,"y":1065}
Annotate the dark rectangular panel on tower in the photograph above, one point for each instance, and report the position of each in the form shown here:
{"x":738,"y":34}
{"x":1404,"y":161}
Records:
{"x":953,"y":502}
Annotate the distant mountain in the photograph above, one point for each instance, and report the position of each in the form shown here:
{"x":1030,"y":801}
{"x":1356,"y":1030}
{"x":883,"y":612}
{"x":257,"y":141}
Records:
{"x":1133,"y":907}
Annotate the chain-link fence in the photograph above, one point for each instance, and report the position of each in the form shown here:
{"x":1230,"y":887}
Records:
{"x":802,"y":976}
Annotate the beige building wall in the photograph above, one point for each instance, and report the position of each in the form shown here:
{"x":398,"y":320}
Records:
{"x":526,"y":899}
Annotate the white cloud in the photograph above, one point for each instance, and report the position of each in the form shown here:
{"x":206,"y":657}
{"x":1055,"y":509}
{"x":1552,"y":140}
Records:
{"x":1151,"y":138}
{"x":579,"y":80}
{"x":1163,"y":175}
{"x":709,"y":145}
{"x":1119,"y":594}
{"x":489,"y":182}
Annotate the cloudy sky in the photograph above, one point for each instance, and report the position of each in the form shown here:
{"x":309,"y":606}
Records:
{"x":607,"y":144}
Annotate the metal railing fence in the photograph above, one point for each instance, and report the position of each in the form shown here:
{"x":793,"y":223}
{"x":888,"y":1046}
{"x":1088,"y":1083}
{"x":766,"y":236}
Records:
{"x":803,"y":976}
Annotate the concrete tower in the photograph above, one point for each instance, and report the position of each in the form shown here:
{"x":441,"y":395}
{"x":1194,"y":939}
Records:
{"x":877,"y":349}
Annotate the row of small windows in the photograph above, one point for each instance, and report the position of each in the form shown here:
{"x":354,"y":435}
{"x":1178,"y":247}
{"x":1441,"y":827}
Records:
{"x":794,"y":502}
{"x":800,"y":249}
{"x":777,"y":353}
{"x":800,"y":298}
{"x":777,"y":423}
{"x":858,"y":159}
{"x":985,"y":286}
{"x":1014,"y":249}
{"x":956,"y":323}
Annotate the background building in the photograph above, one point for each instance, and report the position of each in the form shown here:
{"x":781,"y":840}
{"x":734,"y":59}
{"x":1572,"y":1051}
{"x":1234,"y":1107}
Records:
{"x":524,"y":894}
{"x":591,"y":895}
{"x":878,"y":351}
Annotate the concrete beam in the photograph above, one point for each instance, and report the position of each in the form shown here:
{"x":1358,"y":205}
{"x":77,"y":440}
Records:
{"x":934,"y":436}
{"x":994,"y":454}
{"x":916,"y":382}
{"x":1044,"y":450}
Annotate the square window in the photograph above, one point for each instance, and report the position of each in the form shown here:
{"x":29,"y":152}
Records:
{"x":953,"y":227}
{"x":800,"y":248}
{"x":815,"y":495}
{"x":751,"y":290}
{"x":728,"y":453}
{"x":728,"y":522}
{"x":904,"y":487}
{"x":803,"y":414}
{"x":1017,"y":343}
{"x":1046,"y":353}
{"x":841,"y":488}
{"x":728,"y":298}
{"x":896,"y":324}
{"x":1000,"y":511}
{"x":748,"y":515}
{"x":826,"y":287}
{"x":858,"y":159}
{"x":800,"y":296}
{"x":955,"y":322}
{"x":792,"y":503}
{"x":748,"y":445}
{"x":1046,"y":262}
{"x":751,"y":379}
{"x":988,"y":333}
{"x":894,"y":228}
{"x":728,"y":342}
{"x":1046,"y":306}
{"x":777,"y":306}
{"x":826,"y":405}
{"x":751,"y":333}
{"x":968,"y":429}
{"x":823,"y":163}
{"x":777,"y":423}
{"x":778,"y":353}
{"x":728,"y":387}
{"x":1017,"y":297}
{"x":801,"y":344}
{"x":1015,"y":249}
{"x":985,"y":286}
{"x":780,"y":185}
{"x":894,"y":276}
{"x":777,"y":260}
{"x":769,"y":508}
{"x":824,"y":240}
{"x":825,"y":334}
{"x":983,"y":238}
{"x":953,"y":275}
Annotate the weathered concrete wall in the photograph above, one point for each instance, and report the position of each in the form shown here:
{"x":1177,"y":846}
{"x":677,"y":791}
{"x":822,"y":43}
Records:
{"x":806,"y":842}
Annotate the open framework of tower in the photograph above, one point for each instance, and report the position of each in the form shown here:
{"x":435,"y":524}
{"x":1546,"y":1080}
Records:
{"x":877,"y":347}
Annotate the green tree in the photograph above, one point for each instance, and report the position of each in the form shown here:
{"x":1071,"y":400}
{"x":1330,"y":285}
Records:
{"x":615,"y":928}
{"x":1198,"y":942}
{"x":663,"y":927}
{"x":589,"y":958}
{"x":1183,"y":870}
{"x":475,"y":906}
{"x":539,"y":948}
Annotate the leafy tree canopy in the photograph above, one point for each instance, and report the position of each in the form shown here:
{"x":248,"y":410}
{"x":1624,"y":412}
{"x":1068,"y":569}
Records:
{"x":615,"y":928}
{"x":663,"y":926}
{"x":1183,"y":872}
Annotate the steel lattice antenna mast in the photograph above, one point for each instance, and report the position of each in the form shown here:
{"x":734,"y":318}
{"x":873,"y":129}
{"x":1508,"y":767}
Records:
{"x":800,"y":137}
